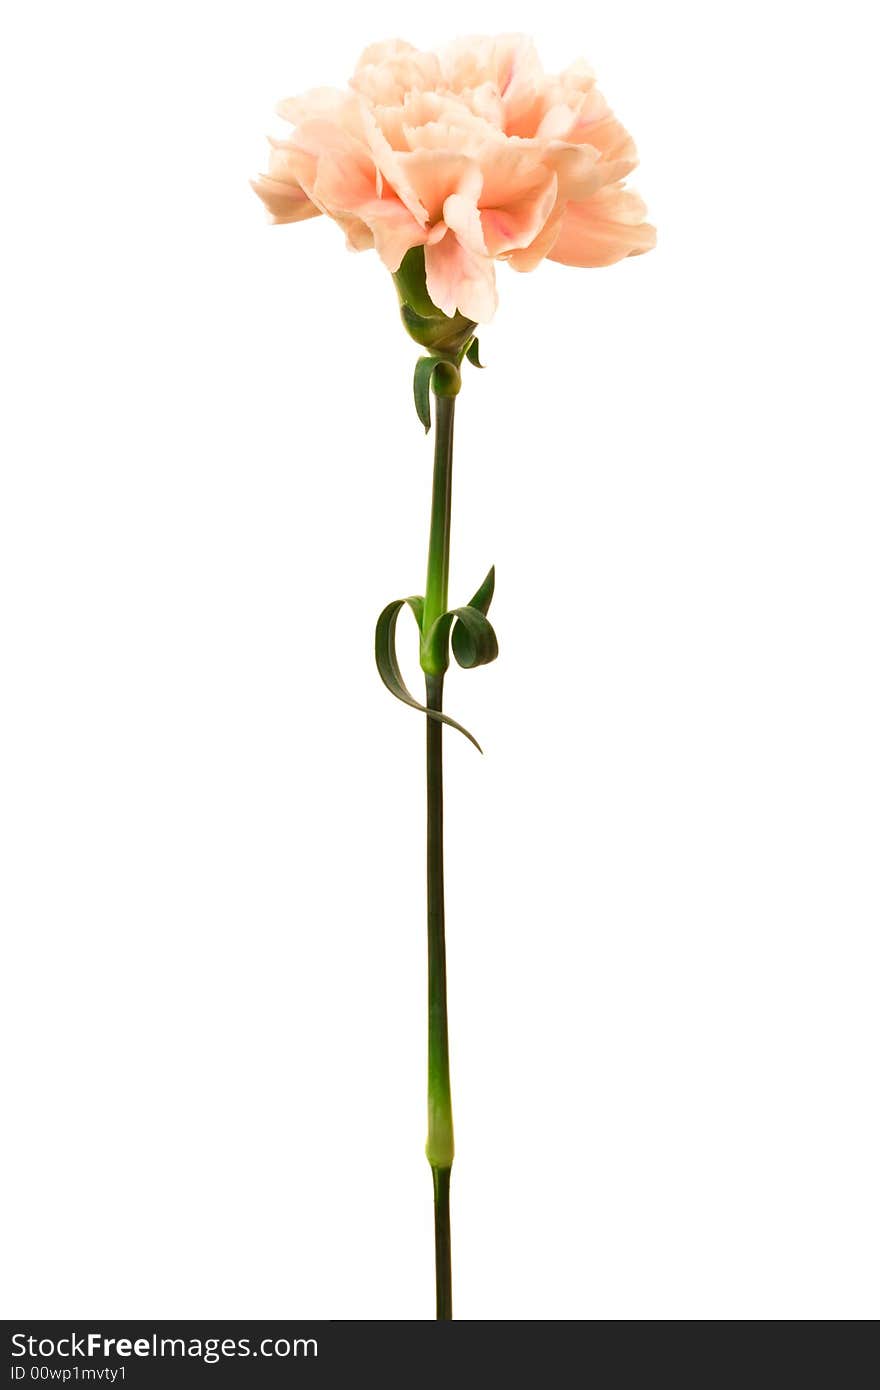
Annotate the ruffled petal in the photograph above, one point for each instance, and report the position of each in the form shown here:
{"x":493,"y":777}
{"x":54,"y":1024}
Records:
{"x":595,"y":124}
{"x":435,"y":174}
{"x":325,"y":140}
{"x":462,"y":216}
{"x":458,"y":278}
{"x":319,"y":103}
{"x":345,"y":197}
{"x":387,"y":71}
{"x":517,"y":223}
{"x":283,"y":188}
{"x":604,"y":229}
{"x":388,"y":163}
{"x":394,"y":230}
{"x":511,"y":64}
{"x":578,"y":168}
{"x":344,"y":186}
{"x":383,"y":52}
{"x":533,"y":254}
{"x":285,"y":202}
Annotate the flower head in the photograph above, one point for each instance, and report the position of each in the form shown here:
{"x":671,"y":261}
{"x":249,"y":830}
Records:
{"x":474,"y":154}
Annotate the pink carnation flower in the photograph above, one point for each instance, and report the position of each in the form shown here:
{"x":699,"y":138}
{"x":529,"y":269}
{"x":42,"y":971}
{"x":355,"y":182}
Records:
{"x":473,"y":153}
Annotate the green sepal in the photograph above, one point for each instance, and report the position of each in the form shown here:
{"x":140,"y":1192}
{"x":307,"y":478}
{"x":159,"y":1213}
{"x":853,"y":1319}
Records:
{"x":443,"y":335}
{"x":389,"y":670}
{"x":473,"y":352}
{"x":422,"y":389}
{"x":417,"y":325}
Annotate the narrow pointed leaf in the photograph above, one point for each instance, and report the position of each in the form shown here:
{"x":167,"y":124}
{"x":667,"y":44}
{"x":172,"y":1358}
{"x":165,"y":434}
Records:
{"x":473,"y":352}
{"x":422,"y":389}
{"x":483,"y":597}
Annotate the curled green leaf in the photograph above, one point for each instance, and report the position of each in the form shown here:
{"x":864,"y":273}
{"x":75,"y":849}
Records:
{"x":472,"y":635}
{"x":435,"y":374}
{"x":473,"y":638}
{"x":389,"y":669}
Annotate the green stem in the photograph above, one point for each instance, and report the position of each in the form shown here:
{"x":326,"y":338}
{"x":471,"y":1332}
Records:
{"x":437,"y":582}
{"x":440,"y":1146}
{"x":442,"y":1246}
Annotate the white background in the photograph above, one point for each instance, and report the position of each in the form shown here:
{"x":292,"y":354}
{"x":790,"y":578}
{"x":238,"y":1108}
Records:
{"x":662,"y":878}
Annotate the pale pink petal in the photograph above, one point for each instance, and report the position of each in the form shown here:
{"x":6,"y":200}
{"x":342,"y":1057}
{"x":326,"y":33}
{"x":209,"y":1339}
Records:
{"x":435,"y":174}
{"x":358,"y":236}
{"x":603,"y":230}
{"x":395,"y":231}
{"x":345,"y":191}
{"x":325,"y":139}
{"x":386,"y":72}
{"x":283,"y":188}
{"x":511,"y":64}
{"x":596,"y":125}
{"x":616,"y":147}
{"x":518,"y":195}
{"x":578,"y":77}
{"x":556,"y":122}
{"x":419,"y":107}
{"x":521,"y":82}
{"x":578,"y":168}
{"x":285,"y":202}
{"x":289,"y":163}
{"x":326,"y":102}
{"x":588,"y":105}
{"x":344,"y":186}
{"x":383,"y":52}
{"x":518,"y":223}
{"x":447,"y":123}
{"x":486,"y":103}
{"x":533,"y":254}
{"x":512,"y":169}
{"x":429,"y":120}
{"x":467,"y":63}
{"x":389,"y":165}
{"x":457,"y":278}
{"x":462,"y":216}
